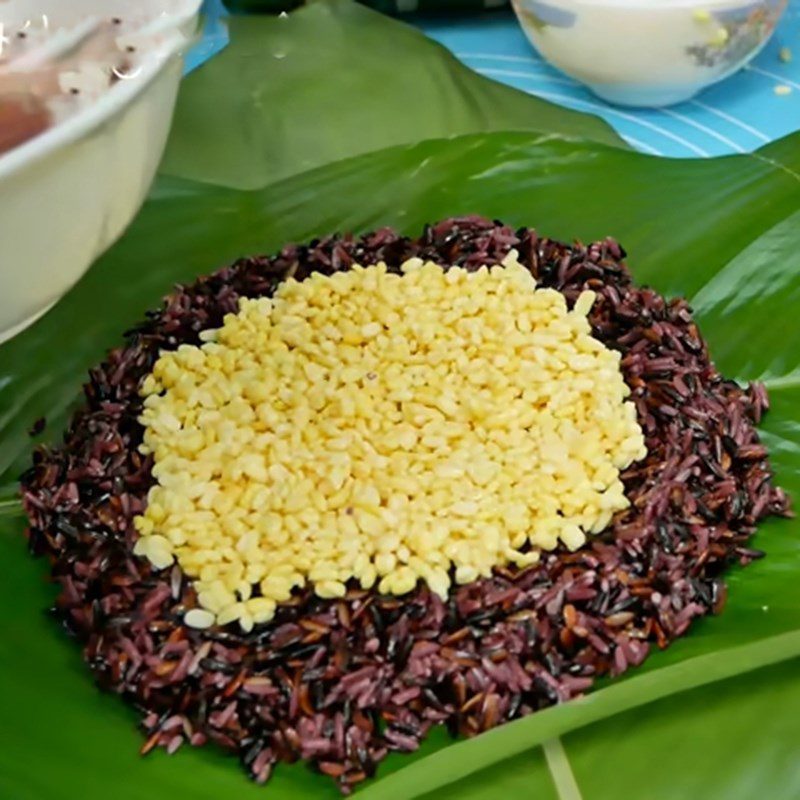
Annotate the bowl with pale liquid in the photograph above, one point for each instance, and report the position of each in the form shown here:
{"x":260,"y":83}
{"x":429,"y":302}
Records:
{"x":87,"y":91}
{"x":648,"y":52}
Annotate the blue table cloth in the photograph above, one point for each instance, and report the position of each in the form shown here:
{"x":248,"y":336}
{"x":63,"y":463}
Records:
{"x":736,"y":116}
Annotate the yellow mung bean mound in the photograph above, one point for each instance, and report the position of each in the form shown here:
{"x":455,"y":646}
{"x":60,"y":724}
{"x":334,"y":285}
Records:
{"x":384,"y":428}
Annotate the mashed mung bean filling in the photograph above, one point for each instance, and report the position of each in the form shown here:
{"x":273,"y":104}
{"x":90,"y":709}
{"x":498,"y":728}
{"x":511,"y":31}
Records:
{"x":383,"y":427}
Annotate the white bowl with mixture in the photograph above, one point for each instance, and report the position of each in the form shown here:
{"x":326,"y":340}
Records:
{"x":648,"y":52}
{"x":87,"y":91}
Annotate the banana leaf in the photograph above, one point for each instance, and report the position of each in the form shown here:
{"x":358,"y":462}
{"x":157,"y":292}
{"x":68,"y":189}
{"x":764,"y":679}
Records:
{"x":333,"y":80}
{"x":734,"y":741}
{"x":724,"y":233}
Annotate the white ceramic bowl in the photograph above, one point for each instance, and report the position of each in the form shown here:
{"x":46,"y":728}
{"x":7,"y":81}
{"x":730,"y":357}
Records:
{"x":648,"y":52}
{"x":67,"y":194}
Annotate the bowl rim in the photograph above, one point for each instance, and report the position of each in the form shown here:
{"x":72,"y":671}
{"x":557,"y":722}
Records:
{"x":114,"y":100}
{"x":656,"y":5}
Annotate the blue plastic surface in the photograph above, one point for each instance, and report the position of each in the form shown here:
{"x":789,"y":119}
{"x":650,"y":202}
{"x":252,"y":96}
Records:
{"x":214,"y":36}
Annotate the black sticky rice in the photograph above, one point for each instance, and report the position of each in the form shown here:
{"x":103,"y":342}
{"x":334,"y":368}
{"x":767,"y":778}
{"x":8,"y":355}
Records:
{"x":341,"y":683}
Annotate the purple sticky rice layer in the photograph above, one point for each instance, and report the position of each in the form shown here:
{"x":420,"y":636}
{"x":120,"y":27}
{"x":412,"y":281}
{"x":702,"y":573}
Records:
{"x":341,"y":683}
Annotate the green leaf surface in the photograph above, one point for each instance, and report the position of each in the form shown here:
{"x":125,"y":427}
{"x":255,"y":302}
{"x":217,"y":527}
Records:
{"x":335,"y":79}
{"x":737,"y":300}
{"x":522,"y":776}
{"x":207,"y":226}
{"x":736,"y":740}
{"x":722,"y":232}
